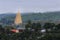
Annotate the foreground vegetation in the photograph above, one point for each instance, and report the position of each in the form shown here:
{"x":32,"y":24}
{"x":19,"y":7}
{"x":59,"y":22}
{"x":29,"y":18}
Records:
{"x":33,"y":31}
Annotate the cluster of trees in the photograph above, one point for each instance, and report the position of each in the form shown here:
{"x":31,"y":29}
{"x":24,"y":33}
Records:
{"x":52,"y":31}
{"x":33,"y":31}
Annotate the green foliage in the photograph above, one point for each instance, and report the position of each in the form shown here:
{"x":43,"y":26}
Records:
{"x":49,"y":26}
{"x":27,"y":34}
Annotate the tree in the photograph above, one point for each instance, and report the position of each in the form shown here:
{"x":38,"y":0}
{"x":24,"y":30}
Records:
{"x":49,"y":26}
{"x":28,"y":25}
{"x":1,"y":29}
{"x":36,"y":26}
{"x":57,"y":28}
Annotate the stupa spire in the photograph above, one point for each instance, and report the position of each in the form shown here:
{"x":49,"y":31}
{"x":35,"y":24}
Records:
{"x":18,"y":19}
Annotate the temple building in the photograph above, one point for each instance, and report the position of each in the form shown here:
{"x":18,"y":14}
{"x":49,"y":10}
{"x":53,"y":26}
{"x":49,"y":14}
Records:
{"x":18,"y":23}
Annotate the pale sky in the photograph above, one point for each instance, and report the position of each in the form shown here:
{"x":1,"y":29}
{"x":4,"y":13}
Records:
{"x":29,"y":5}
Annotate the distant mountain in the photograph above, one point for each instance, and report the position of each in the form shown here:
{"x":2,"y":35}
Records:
{"x":48,"y":16}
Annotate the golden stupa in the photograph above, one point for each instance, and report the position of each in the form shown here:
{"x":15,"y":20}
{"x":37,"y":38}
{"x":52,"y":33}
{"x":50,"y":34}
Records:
{"x":18,"y":19}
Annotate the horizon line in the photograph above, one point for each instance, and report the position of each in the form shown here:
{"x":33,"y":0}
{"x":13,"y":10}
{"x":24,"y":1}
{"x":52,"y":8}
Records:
{"x":27,"y":12}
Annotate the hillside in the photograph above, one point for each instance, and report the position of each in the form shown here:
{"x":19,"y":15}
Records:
{"x":48,"y":16}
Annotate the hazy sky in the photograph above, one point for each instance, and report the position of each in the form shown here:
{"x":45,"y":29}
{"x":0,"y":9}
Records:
{"x":29,"y":5}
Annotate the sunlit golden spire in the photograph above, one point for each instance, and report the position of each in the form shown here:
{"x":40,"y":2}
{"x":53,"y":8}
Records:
{"x":18,"y":19}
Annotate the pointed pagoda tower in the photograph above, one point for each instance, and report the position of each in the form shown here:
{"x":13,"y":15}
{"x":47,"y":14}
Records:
{"x":18,"y":19}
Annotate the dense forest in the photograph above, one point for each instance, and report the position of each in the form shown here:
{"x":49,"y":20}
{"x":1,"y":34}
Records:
{"x":33,"y":31}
